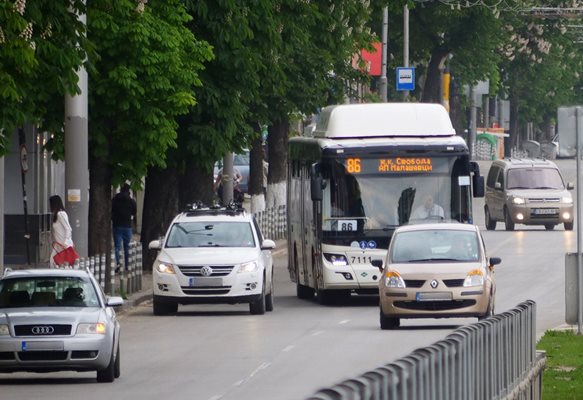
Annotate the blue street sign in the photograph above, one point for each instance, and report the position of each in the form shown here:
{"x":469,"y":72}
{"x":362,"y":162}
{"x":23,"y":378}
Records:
{"x":405,"y":78}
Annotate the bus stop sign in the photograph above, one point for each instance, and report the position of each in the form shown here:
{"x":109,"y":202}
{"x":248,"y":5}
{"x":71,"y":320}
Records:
{"x":405,"y":78}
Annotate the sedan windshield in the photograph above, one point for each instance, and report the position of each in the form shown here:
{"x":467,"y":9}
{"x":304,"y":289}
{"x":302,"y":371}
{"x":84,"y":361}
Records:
{"x":47,"y":292}
{"x":211,"y":234}
{"x":434,"y":246}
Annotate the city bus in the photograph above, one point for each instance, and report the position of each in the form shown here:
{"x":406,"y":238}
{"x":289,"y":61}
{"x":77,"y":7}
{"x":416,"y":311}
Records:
{"x":365,"y":170}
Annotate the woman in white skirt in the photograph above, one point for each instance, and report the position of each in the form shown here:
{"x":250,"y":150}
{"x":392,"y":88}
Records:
{"x":61,"y":232}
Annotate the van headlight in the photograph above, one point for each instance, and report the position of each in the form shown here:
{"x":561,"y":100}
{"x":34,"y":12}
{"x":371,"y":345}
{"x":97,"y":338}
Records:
{"x":4,"y":331}
{"x":518,"y":200}
{"x":567,"y":200}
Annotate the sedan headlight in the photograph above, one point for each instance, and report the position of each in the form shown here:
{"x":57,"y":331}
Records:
{"x":567,"y":200}
{"x":98,"y":328}
{"x":393,"y":280}
{"x":165,"y":268}
{"x":4,"y":331}
{"x":518,"y":200}
{"x":248,"y":267}
{"x":336,"y":259}
{"x":474,"y":278}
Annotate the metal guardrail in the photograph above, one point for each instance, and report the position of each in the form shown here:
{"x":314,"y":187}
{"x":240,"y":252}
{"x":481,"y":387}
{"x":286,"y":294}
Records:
{"x":126,"y":282}
{"x":273,"y":222}
{"x":495,"y":358}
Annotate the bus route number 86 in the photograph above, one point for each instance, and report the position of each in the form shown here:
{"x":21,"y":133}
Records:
{"x":353,"y":165}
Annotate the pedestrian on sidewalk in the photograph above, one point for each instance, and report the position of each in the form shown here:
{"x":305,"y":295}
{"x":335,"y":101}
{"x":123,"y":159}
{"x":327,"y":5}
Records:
{"x":123,"y":218}
{"x":61,"y":232}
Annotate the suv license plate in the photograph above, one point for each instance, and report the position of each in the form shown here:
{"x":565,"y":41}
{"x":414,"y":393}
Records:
{"x":545,"y":211}
{"x":204,"y":282}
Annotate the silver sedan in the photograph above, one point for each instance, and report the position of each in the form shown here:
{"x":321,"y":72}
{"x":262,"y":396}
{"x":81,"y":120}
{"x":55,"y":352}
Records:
{"x":55,"y":320}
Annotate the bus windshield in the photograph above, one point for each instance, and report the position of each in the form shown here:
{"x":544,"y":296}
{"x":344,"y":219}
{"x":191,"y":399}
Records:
{"x":368,"y":200}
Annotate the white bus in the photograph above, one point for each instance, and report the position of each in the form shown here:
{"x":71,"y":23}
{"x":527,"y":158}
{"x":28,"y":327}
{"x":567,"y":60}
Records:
{"x":367,"y":169}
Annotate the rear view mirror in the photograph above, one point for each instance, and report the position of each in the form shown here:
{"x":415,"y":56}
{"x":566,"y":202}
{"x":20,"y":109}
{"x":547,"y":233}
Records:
{"x":316,"y":183}
{"x":378,"y":264}
{"x":495,"y":261}
{"x":570,"y":186}
{"x":154,"y":245}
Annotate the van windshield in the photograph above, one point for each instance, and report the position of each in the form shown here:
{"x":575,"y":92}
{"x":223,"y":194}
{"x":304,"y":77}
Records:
{"x":533,"y":178}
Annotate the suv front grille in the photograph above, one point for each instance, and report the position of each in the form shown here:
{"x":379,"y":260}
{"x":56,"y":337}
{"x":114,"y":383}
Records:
{"x":42,"y":330}
{"x":194,"y":270}
{"x":206,"y":290}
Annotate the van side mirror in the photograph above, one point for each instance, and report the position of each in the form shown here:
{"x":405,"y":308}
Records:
{"x":495,"y":261}
{"x":570,"y":186}
{"x":497,"y":185}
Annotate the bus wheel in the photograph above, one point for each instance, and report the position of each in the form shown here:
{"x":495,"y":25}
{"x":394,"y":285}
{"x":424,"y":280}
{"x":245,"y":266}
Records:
{"x":304,"y":292}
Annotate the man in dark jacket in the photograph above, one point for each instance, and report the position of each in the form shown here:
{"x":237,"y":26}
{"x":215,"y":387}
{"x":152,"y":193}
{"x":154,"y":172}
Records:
{"x":123,"y":216}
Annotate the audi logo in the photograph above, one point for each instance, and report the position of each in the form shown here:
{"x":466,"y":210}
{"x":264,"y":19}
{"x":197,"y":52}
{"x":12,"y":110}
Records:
{"x":42,"y":330}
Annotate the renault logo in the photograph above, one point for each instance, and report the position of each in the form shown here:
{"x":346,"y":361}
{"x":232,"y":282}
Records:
{"x":434,"y":284}
{"x":42,"y":330}
{"x":206,"y":271}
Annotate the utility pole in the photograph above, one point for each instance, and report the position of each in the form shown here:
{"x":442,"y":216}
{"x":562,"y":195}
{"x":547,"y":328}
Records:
{"x":383,"y":83}
{"x":405,"y":43}
{"x":77,"y":161}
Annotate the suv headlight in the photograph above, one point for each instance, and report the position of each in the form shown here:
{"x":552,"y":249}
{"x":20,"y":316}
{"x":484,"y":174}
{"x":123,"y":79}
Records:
{"x":248,"y":267}
{"x":165,"y":268}
{"x":567,"y":200}
{"x":518,"y":200}
{"x":4,"y":331}
{"x":474,"y":278}
{"x":98,"y":328}
{"x":336,"y":259}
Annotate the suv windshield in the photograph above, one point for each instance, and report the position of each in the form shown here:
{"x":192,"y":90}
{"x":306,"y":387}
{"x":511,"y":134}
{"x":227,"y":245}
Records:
{"x":531,"y":178}
{"x":211,"y":234}
{"x":435,"y":246}
{"x":47,"y":292}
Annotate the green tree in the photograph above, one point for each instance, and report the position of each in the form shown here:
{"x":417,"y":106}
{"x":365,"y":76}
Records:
{"x":143,"y":78}
{"x":41,"y":46}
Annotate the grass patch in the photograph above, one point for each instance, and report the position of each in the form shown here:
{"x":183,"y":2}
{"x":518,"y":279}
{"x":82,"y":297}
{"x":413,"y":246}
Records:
{"x":563,"y":374}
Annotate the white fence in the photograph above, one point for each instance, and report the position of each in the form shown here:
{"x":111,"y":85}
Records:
{"x":273,"y":222}
{"x":495,"y":358}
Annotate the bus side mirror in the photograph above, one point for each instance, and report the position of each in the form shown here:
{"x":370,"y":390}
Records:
{"x":478,"y":184}
{"x":316,"y":183}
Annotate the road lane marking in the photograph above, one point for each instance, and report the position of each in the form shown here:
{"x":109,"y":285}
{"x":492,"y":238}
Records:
{"x":217,"y":397}
{"x":288,"y":348}
{"x":259,"y":368}
{"x":317,"y":333}
{"x":345,"y":321}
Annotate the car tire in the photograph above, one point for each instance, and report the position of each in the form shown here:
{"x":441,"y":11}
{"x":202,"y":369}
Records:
{"x":490,"y":223}
{"x":258,"y":306}
{"x":388,"y":322}
{"x":508,"y":223}
{"x":304,"y":292}
{"x":107,"y":374}
{"x":117,"y":366}
{"x":549,"y":227}
{"x":490,"y":311}
{"x":269,"y":298}
{"x":163,"y":308}
{"x":568,"y":226}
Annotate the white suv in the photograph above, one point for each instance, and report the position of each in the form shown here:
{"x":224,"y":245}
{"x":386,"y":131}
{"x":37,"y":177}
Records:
{"x":213,"y":255}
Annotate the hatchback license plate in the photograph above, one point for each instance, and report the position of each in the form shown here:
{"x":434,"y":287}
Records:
{"x":433,"y":296}
{"x":545,"y":211}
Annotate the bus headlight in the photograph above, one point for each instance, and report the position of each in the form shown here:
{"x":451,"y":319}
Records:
{"x":336,"y":259}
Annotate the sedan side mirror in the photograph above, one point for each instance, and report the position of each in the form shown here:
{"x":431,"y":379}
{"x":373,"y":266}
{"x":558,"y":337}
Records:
{"x":378,"y":264}
{"x":114,"y":301}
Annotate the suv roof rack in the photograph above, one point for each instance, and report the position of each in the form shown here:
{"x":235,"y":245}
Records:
{"x":199,"y":208}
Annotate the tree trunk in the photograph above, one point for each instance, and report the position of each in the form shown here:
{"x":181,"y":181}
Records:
{"x":455,"y":109}
{"x":432,"y":87}
{"x":256,"y":175}
{"x":100,"y":234}
{"x":160,"y":207}
{"x":195,"y":185}
{"x":512,"y":140}
{"x":276,"y":179}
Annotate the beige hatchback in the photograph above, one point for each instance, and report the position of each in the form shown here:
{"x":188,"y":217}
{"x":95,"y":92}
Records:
{"x":436,"y":270}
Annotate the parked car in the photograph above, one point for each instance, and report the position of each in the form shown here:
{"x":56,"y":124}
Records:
{"x":436,"y":270}
{"x":213,"y":255}
{"x":58,"y":319}
{"x":527,"y":191}
{"x":241,"y":162}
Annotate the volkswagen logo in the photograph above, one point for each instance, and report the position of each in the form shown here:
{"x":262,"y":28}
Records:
{"x":434,"y":284}
{"x":42,"y":330}
{"x":206,"y":271}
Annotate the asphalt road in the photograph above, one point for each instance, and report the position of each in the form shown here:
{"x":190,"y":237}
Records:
{"x":220,"y":352}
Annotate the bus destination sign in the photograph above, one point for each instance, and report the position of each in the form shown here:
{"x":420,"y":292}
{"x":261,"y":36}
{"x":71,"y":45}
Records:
{"x":356,"y":165}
